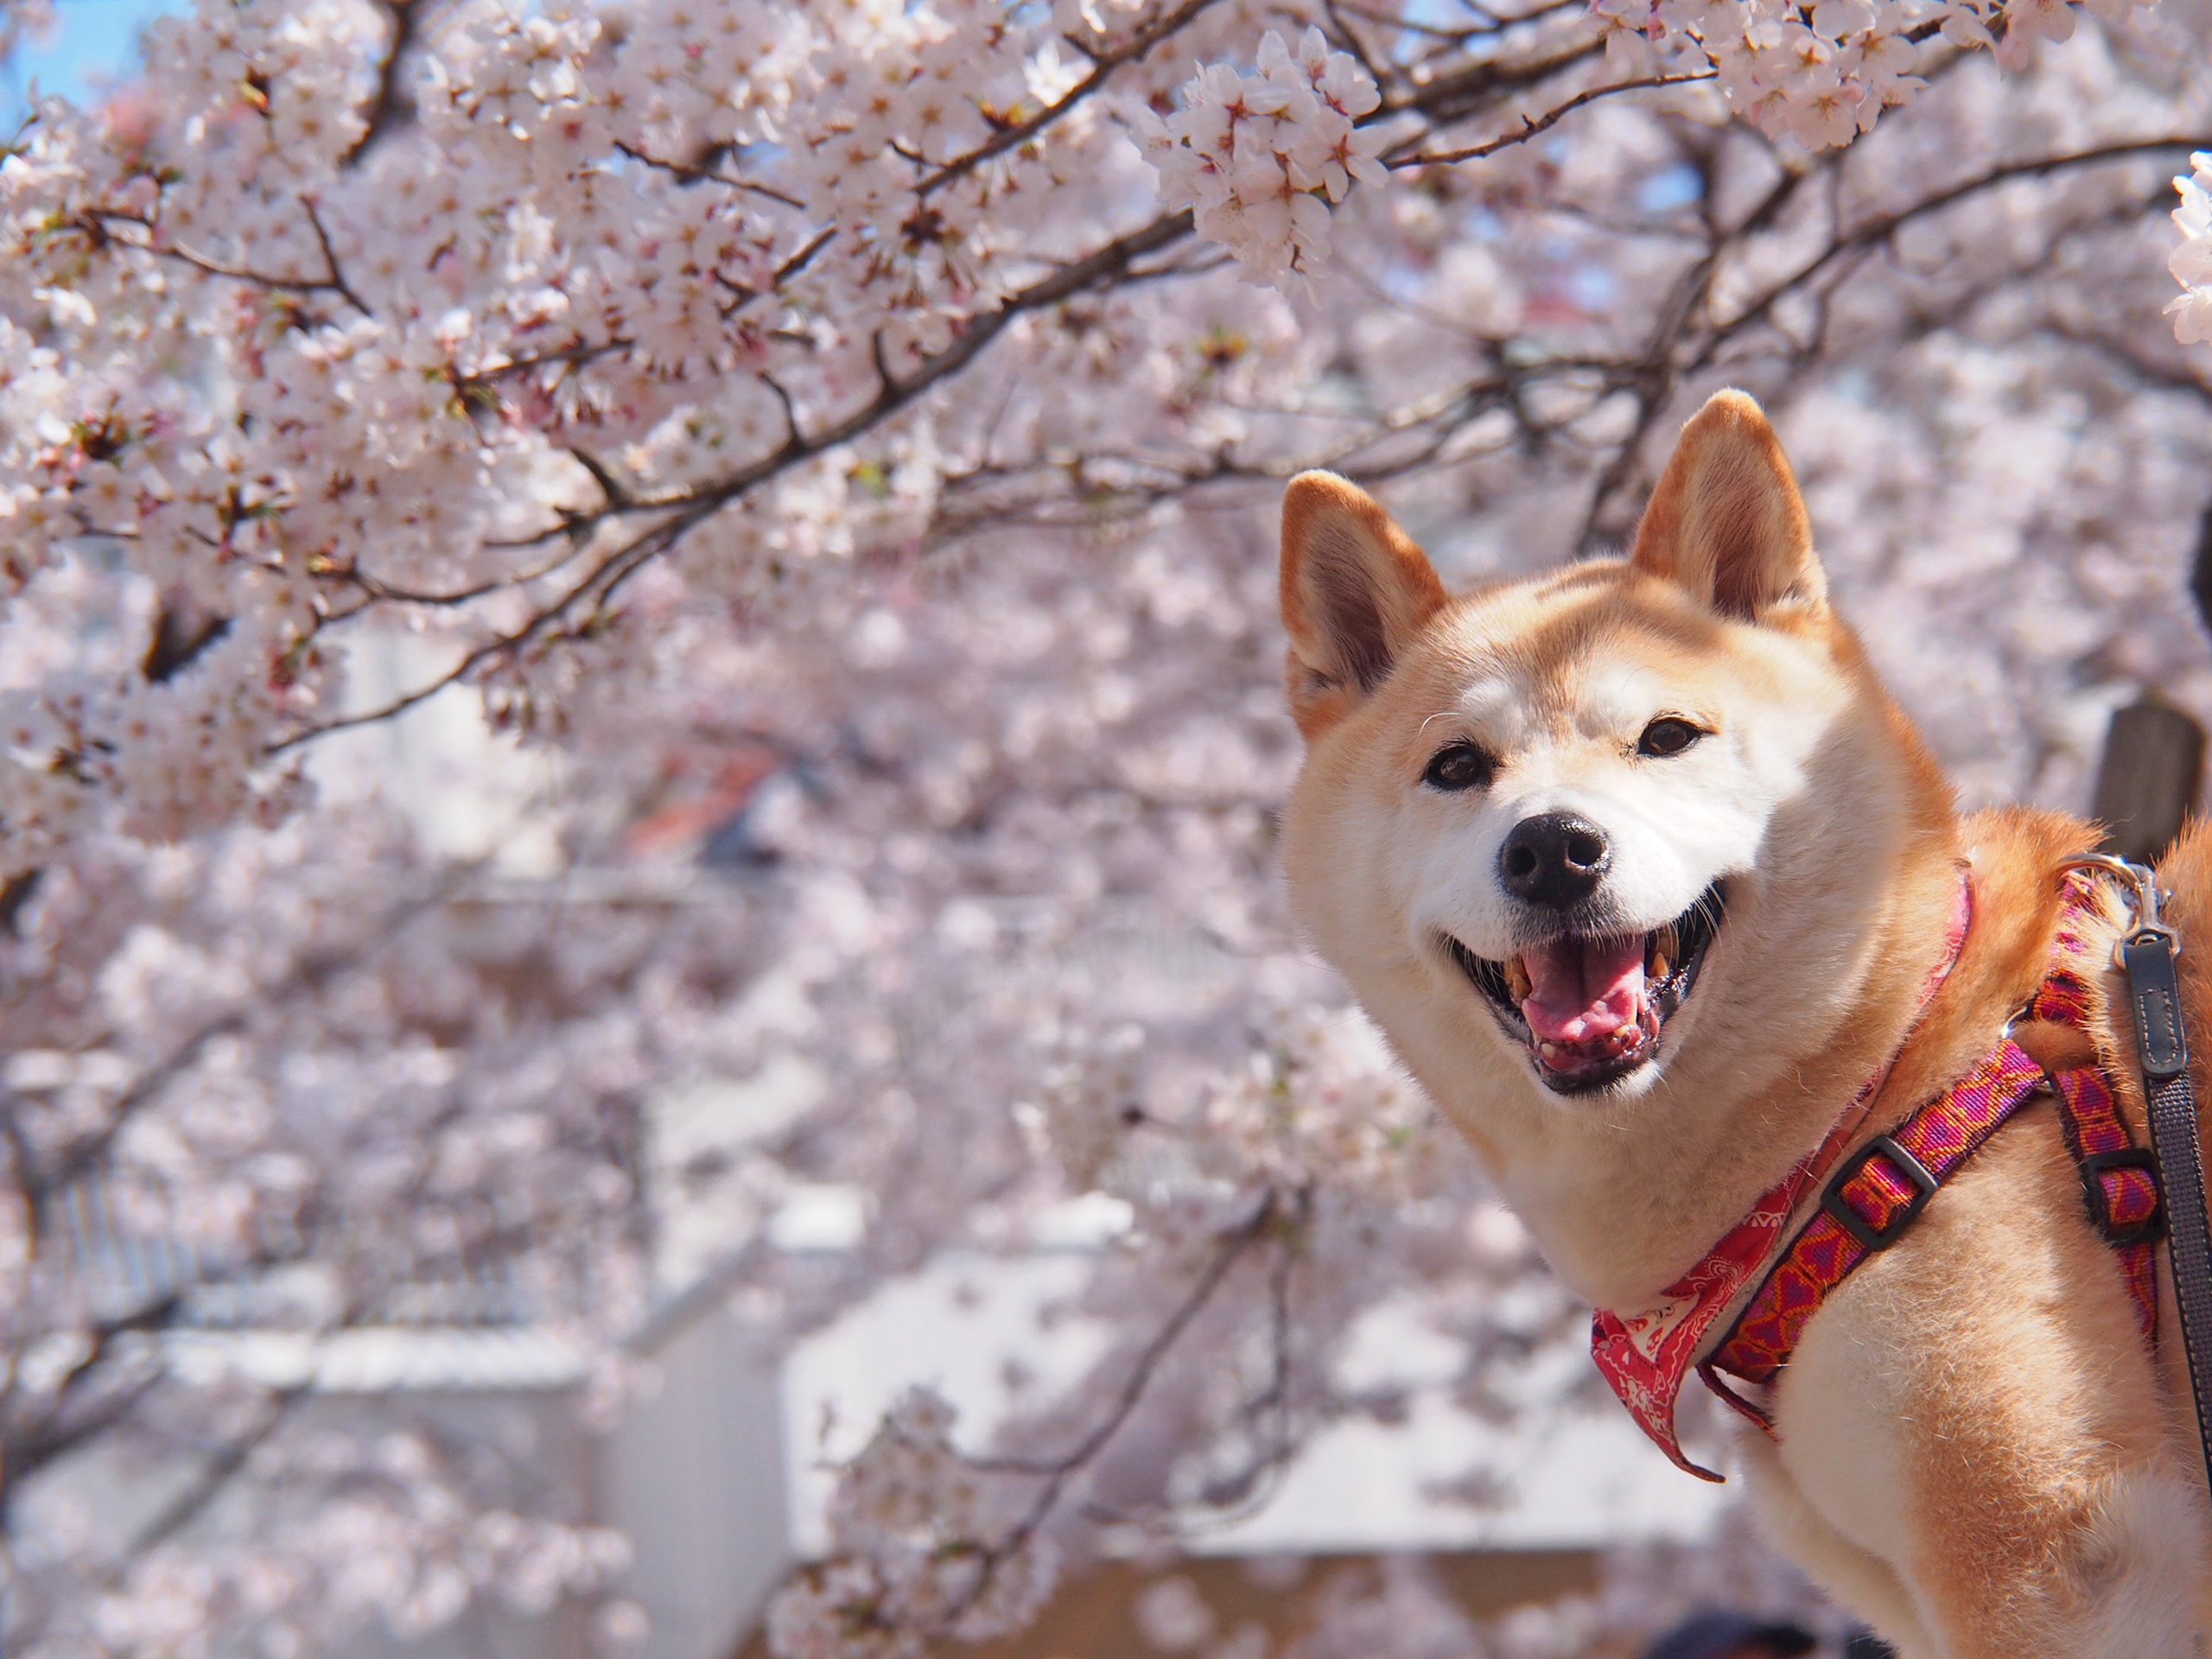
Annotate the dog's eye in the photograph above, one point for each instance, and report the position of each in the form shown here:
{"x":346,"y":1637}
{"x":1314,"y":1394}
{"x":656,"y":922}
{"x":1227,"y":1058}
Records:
{"x":1667,"y":736}
{"x":1460,"y":766}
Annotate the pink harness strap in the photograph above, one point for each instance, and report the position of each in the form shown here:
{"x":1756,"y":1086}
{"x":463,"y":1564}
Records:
{"x":1646,"y":1356}
{"x":1871,"y":1201}
{"x":1873,"y":1197}
{"x":2120,"y":1181}
{"x":2119,"y":1185}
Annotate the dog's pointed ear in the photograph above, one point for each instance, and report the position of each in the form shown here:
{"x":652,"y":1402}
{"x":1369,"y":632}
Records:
{"x":1354,"y":592}
{"x":1726,"y":521}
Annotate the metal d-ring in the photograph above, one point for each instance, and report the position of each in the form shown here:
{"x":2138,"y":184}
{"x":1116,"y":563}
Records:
{"x":2142,"y":882}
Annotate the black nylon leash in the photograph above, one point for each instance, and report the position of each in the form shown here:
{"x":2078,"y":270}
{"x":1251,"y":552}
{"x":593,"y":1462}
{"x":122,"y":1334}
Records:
{"x":2146,"y":957}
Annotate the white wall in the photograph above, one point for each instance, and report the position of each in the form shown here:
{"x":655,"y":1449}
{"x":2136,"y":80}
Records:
{"x":1570,"y":1475}
{"x":695,"y":1476}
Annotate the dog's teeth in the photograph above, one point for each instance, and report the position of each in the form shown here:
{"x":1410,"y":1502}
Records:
{"x":1517,"y":981}
{"x":1664,"y":947}
{"x":1552,"y":1052}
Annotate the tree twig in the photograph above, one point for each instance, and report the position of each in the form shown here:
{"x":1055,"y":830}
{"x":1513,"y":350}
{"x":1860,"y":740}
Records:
{"x":1544,"y":123}
{"x":391,"y":107}
{"x":1103,"y":66}
{"x":1057,"y":1471}
{"x":691,"y":507}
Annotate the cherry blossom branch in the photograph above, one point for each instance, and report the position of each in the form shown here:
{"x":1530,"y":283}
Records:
{"x":679,"y":511}
{"x":216,"y":1477}
{"x":80,"y":1156}
{"x":694,"y":506}
{"x":1103,"y":65}
{"x":2176,"y":376}
{"x":17,"y":892}
{"x":31,"y":1447}
{"x":390,"y":107}
{"x":76,"y":1158}
{"x":1655,"y":376}
{"x":99,"y":225}
{"x":1460,"y":94}
{"x":1453,"y":98}
{"x":1057,"y":1471}
{"x":337,"y":278}
{"x":1234,"y":1243}
{"x":1884,"y":227}
{"x":1532,"y":127}
{"x":693,"y":173}
{"x":1675,"y":350}
{"x":1486,"y":24}
{"x":383,"y":592}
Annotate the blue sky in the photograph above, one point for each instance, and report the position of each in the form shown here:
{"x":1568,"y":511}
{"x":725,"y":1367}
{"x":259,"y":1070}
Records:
{"x":93,"y":41}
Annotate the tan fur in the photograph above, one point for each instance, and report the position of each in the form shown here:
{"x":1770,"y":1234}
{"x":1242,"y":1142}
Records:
{"x":1726,"y":521}
{"x":1360,"y":596}
{"x":1974,"y":1452}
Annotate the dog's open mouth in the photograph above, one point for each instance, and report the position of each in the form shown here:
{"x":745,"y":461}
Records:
{"x":1591,"y":1009}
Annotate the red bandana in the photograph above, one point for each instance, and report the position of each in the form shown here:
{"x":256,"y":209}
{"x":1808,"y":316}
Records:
{"x":1647,"y":1355}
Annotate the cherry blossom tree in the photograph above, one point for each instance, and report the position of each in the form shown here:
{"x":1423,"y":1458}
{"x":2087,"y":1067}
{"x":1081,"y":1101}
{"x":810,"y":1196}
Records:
{"x":841,"y":439}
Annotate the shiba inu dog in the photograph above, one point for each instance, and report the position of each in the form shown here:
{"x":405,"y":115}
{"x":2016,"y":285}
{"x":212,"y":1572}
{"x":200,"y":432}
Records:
{"x":1643,"y":876}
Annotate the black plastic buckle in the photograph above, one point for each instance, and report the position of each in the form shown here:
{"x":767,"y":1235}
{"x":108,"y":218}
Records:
{"x":1873,"y":1238}
{"x":2152,"y":1227}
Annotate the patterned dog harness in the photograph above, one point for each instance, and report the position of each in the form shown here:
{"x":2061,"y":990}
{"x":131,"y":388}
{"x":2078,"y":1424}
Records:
{"x":1872,"y":1199}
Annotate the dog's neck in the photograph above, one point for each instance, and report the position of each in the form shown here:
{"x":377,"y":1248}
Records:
{"x":1622,"y":1204}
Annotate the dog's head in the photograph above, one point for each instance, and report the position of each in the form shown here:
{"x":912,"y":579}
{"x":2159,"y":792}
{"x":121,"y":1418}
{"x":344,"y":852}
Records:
{"x":1621,"y":829}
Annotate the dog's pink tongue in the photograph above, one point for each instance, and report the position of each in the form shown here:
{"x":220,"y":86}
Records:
{"x":1582,"y":988}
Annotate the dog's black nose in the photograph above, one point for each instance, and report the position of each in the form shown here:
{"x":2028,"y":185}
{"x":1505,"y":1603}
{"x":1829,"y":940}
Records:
{"x":1555,"y":860}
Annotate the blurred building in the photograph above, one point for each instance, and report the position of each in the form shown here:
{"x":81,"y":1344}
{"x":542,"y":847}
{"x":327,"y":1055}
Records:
{"x":719,"y":1474}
